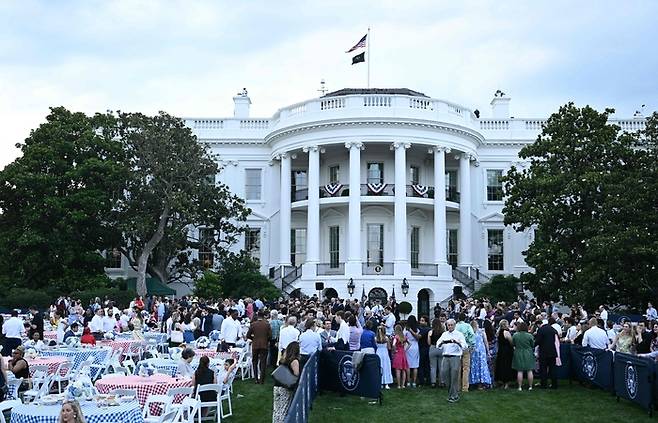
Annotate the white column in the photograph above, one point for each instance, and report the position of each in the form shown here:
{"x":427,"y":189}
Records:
{"x":313,"y":225}
{"x":284,"y":213}
{"x":465,"y":210}
{"x":353,"y":265}
{"x":400,"y":259}
{"x":440,"y":251}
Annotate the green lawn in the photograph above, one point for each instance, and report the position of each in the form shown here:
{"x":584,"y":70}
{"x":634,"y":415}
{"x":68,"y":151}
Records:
{"x":571,"y":403}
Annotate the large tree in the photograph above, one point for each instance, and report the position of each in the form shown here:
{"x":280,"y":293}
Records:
{"x":591,"y":195}
{"x":55,"y":201}
{"x":171,"y":189}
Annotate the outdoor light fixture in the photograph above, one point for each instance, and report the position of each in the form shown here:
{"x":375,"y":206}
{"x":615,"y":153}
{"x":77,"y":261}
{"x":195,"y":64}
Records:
{"x":350,"y":287}
{"x":405,"y":287}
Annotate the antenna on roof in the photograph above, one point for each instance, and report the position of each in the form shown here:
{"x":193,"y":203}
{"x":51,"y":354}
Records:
{"x":323,"y":88}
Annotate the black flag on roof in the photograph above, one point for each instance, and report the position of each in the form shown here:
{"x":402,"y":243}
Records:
{"x":359,"y":58}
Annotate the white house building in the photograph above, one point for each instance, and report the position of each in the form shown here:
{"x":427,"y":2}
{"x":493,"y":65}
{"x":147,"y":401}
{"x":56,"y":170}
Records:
{"x":379,"y":191}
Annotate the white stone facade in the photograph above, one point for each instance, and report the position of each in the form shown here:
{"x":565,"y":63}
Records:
{"x":376,"y":235}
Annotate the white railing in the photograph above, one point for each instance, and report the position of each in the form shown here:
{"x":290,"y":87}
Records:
{"x":631,"y":125}
{"x":332,"y":103}
{"x":254,"y":124}
{"x":207,"y":123}
{"x":535,"y":124}
{"x":417,"y":103}
{"x":494,"y":125}
{"x":298,"y":109}
{"x":377,"y":101}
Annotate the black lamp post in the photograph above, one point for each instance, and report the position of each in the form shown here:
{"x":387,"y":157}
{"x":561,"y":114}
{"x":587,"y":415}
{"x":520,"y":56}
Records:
{"x":350,"y":287}
{"x":405,"y":287}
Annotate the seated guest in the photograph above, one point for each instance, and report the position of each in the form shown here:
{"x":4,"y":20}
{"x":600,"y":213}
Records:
{"x":204,"y":376}
{"x":184,"y":367}
{"x":19,"y":366}
{"x":87,"y":337}
{"x":72,"y":331}
{"x":35,"y":342}
{"x":224,"y":374}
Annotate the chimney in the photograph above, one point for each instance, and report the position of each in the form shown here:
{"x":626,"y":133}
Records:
{"x":500,"y":105}
{"x":241,"y":104}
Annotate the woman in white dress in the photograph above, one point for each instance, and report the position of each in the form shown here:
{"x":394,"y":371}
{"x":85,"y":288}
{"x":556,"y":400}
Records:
{"x":383,"y":348}
{"x":411,"y":334}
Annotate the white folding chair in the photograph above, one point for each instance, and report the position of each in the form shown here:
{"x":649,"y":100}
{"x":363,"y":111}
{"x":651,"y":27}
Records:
{"x":211,"y":387}
{"x":175,"y":353}
{"x":122,"y":371}
{"x":244,"y":365}
{"x":129,"y":364}
{"x":39,"y":371}
{"x":158,"y":402}
{"x":13,"y":385}
{"x":188,"y":410}
{"x":169,"y":417}
{"x":119,"y":392}
{"x":6,"y":406}
{"x":185,"y":392}
{"x":63,"y":374}
{"x":227,"y":388}
{"x":85,"y":366}
{"x":40,"y":387}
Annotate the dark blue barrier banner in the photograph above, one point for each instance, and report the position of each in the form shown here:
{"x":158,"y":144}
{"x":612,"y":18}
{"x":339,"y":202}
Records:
{"x":627,"y":317}
{"x":337,"y":373}
{"x":634,"y":379}
{"x":594,"y":366}
{"x":565,"y":371}
{"x":306,"y":391}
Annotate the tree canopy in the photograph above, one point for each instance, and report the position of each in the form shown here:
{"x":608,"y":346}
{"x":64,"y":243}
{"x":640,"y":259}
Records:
{"x":55,"y":203}
{"x":590,"y":193}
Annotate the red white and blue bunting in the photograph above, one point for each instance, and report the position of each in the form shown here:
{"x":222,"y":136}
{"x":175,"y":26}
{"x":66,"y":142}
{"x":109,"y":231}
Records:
{"x":332,"y":189}
{"x":376,"y":188}
{"x":421,"y":190}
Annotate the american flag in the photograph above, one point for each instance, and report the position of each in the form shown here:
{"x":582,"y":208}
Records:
{"x":360,"y":44}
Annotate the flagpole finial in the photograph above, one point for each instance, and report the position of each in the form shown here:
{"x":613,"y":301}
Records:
{"x":323,"y":88}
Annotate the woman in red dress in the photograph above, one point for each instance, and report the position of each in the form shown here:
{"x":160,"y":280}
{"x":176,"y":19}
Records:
{"x":400,"y":363}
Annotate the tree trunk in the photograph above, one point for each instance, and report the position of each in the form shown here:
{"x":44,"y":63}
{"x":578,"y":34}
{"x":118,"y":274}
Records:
{"x":142,"y":261}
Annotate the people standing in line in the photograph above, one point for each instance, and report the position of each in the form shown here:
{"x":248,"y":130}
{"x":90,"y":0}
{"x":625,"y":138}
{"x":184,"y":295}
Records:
{"x":283,"y":396}
{"x":435,"y":353}
{"x":354,"y":333}
{"x":546,"y":341}
{"x":504,"y":373}
{"x":383,"y":351}
{"x":288,"y":334}
{"x":624,"y":342}
{"x":469,"y":336}
{"x":328,"y":335}
{"x":259,"y":333}
{"x":524,"y":358}
{"x":595,"y":336}
{"x":424,"y":351}
{"x":367,"y":343}
{"x":275,"y":325}
{"x":411,"y":334}
{"x":479,"y":373}
{"x":400,"y":363}
{"x":453,"y":344}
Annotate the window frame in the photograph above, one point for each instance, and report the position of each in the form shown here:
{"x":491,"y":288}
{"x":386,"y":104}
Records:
{"x":499,"y":263}
{"x":414,"y":258}
{"x":334,"y":247}
{"x":381,"y":173}
{"x":493,"y":189}
{"x":247,"y":185}
{"x":380,"y":249}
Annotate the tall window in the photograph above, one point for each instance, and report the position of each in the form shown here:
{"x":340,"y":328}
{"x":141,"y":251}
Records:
{"x":206,"y":253}
{"x":414,"y":175}
{"x":112,"y":258}
{"x":334,"y":174}
{"x":252,"y":243}
{"x":494,"y":185}
{"x":299,"y":185}
{"x":415,"y":246}
{"x":375,"y":173}
{"x":297,"y":246}
{"x":334,"y":247}
{"x":451,"y":185}
{"x":495,"y":249}
{"x":253,"y":184}
{"x":451,"y":239}
{"x":375,"y":245}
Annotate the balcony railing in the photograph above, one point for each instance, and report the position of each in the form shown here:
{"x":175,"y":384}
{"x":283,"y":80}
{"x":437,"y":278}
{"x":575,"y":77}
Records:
{"x":424,"y":269}
{"x":381,"y":190}
{"x":328,"y":269}
{"x":334,"y":190}
{"x":299,"y":195}
{"x":377,"y":269}
{"x":452,"y":194}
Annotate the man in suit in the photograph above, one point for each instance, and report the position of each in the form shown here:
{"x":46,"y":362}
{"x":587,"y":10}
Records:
{"x":260,"y":333}
{"x":37,"y":322}
{"x":545,"y":340}
{"x":328,"y":336}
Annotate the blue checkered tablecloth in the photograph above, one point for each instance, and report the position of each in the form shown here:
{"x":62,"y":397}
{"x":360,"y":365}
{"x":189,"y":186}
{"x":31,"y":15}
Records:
{"x":78,"y":355}
{"x":169,"y":366}
{"x":159,"y":337}
{"x":123,"y":413}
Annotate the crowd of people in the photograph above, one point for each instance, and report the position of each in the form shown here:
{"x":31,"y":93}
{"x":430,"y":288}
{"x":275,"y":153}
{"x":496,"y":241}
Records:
{"x":470,"y":344}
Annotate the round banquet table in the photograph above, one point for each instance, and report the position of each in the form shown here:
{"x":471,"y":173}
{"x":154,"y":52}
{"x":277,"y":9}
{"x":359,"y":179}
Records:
{"x":160,"y":338}
{"x":210,"y":353}
{"x":79,"y":355}
{"x":145,"y":386}
{"x":127,"y":346}
{"x":52,"y":363}
{"x":129,"y":412}
{"x":171,"y":366}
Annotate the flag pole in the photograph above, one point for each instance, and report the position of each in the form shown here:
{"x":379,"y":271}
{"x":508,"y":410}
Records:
{"x":369,"y":41}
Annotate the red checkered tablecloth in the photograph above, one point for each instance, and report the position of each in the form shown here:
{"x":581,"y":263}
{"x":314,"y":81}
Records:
{"x":152,"y":385}
{"x":51,"y":334}
{"x":52,"y":363}
{"x":210,"y":353}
